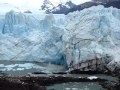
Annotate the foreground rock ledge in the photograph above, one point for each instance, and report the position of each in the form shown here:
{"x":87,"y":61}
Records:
{"x":40,"y":83}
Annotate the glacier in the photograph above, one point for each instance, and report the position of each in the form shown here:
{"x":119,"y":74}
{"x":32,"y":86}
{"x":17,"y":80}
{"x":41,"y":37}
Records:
{"x":25,"y":37}
{"x":62,"y":39}
{"x":93,"y":33}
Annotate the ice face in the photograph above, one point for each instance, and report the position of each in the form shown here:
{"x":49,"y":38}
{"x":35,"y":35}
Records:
{"x":29,"y":38}
{"x":76,"y":37}
{"x":91,"y":33}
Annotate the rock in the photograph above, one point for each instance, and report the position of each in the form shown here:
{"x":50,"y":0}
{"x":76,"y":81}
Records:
{"x":40,"y":83}
{"x":59,"y":72}
{"x":39,"y":73}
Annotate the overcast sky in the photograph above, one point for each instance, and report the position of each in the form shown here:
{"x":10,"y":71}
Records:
{"x":37,"y":3}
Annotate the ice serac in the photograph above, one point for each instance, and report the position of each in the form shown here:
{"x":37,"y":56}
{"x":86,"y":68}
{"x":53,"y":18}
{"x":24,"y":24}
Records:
{"x":25,"y":37}
{"x":18,"y":23}
{"x":93,"y":34}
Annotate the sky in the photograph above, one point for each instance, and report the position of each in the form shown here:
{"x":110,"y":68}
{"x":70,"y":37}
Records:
{"x":36,"y":3}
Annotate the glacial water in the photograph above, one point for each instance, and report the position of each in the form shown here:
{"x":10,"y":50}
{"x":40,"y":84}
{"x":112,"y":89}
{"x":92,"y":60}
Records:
{"x":76,"y":86}
{"x":19,"y":68}
{"x":16,"y":68}
{"x":84,"y":85}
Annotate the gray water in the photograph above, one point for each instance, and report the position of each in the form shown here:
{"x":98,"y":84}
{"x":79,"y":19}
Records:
{"x":76,"y":86}
{"x":83,"y":85}
{"x":19,"y":68}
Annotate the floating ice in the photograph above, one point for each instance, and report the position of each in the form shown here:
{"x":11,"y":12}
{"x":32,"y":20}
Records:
{"x":92,"y":77}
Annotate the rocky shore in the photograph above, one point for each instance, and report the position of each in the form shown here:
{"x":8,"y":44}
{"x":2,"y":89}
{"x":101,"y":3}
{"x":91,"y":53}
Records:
{"x":41,"y":82}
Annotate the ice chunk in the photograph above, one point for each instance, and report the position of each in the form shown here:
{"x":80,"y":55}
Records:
{"x":92,"y":77}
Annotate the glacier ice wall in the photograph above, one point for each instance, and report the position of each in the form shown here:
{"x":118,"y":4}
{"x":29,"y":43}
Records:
{"x":26,"y":37}
{"x":76,"y":37}
{"x":91,"y":33}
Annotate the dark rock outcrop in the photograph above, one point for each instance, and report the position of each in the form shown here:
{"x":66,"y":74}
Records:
{"x":115,"y":4}
{"x":61,"y":8}
{"x":38,"y":83}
